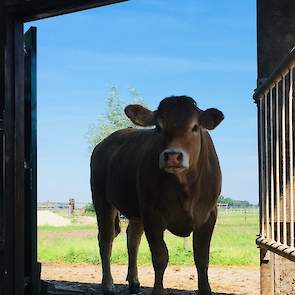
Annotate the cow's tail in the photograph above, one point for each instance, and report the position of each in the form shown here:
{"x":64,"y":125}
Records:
{"x":117,"y":224}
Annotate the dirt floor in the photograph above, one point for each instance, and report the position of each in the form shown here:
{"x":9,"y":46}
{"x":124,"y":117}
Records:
{"x":178,"y":279}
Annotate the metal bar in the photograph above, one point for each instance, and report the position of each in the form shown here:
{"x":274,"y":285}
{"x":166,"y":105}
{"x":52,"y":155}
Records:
{"x":272,"y":215}
{"x":278,"y":191}
{"x":291,"y":185}
{"x":276,"y":160}
{"x":262,"y":167}
{"x":276,"y":247}
{"x":266,"y":167}
{"x":284,"y":161}
{"x":276,"y":75}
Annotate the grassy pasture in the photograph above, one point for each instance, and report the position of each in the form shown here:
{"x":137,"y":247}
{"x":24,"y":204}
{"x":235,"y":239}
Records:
{"x":233,"y":243}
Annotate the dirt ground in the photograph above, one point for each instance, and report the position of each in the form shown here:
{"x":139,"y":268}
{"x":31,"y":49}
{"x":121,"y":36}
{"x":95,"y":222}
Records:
{"x":45,"y":217}
{"x":178,"y":279}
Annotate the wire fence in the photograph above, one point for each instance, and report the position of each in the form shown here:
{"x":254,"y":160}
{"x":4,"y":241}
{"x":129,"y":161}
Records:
{"x":72,"y":206}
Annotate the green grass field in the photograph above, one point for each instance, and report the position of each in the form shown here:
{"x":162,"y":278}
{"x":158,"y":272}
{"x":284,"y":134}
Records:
{"x":233,"y":243}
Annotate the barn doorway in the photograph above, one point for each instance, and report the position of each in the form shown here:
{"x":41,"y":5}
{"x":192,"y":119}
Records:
{"x":215,"y":103}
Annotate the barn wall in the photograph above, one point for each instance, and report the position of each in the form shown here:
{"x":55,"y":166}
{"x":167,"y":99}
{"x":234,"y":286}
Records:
{"x":275,"y":33}
{"x":275,"y":39}
{"x":284,"y":277}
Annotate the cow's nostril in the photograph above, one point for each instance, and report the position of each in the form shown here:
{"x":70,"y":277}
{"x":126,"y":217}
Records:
{"x":180,"y":157}
{"x":173,"y":158}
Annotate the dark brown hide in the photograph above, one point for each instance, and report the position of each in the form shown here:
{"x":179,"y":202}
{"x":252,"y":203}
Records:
{"x":126,"y":178}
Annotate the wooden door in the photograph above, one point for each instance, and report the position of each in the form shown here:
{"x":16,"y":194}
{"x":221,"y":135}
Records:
{"x":2,"y":156}
{"x":31,"y":271}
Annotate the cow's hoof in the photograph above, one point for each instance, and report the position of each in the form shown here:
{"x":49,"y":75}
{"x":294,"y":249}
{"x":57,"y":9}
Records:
{"x":134,"y":287}
{"x":106,"y":290}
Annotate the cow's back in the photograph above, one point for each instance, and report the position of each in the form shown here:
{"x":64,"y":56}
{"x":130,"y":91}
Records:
{"x":114,"y":163}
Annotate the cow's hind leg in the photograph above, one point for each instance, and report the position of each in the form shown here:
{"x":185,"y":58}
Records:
{"x":108,"y":229}
{"x":201,"y":244}
{"x":134,"y":233}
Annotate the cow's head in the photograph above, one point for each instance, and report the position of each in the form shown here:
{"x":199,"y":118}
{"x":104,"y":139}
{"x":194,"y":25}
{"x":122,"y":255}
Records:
{"x":178,"y":123}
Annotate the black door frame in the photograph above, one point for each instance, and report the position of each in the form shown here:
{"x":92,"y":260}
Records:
{"x":32,"y":268}
{"x":275,"y":35}
{"x":13,"y":15}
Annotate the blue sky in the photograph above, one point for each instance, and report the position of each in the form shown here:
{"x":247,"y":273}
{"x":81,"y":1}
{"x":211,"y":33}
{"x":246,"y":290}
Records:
{"x":204,"y":49}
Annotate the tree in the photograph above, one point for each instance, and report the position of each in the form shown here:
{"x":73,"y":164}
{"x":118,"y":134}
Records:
{"x":114,"y":117}
{"x":221,"y":199}
{"x":235,"y":203}
{"x":89,"y":209}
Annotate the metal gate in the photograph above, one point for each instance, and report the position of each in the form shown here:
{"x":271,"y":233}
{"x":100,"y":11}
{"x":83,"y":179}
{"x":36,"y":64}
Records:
{"x":276,"y":118}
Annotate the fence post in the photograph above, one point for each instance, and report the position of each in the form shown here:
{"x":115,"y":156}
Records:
{"x":266,"y":272}
{"x":71,"y":206}
{"x":185,"y":243}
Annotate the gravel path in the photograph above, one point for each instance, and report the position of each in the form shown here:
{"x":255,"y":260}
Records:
{"x":45,"y":217}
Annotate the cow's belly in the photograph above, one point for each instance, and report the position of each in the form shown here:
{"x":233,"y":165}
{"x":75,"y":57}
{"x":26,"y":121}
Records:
{"x":131,"y":211}
{"x":181,"y":226}
{"x":181,"y":229}
{"x":181,"y":232}
{"x":121,"y":186}
{"x":124,"y":201}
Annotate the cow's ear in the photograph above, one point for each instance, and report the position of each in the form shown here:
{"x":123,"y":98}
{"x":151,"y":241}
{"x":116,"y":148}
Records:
{"x":211,"y":118}
{"x":139,"y":115}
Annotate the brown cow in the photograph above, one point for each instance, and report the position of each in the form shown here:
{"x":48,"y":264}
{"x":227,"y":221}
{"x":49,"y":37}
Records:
{"x":163,"y":178}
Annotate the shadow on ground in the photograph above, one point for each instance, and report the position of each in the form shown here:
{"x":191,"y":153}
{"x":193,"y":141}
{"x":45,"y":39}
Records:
{"x":75,"y":288}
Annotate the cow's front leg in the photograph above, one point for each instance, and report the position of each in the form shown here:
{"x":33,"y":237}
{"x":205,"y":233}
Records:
{"x":154,"y":232}
{"x":201,"y":244}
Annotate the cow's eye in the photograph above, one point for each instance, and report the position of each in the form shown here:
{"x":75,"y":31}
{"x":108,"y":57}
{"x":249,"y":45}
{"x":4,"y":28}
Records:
{"x":158,"y":128}
{"x":195,"y":128}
